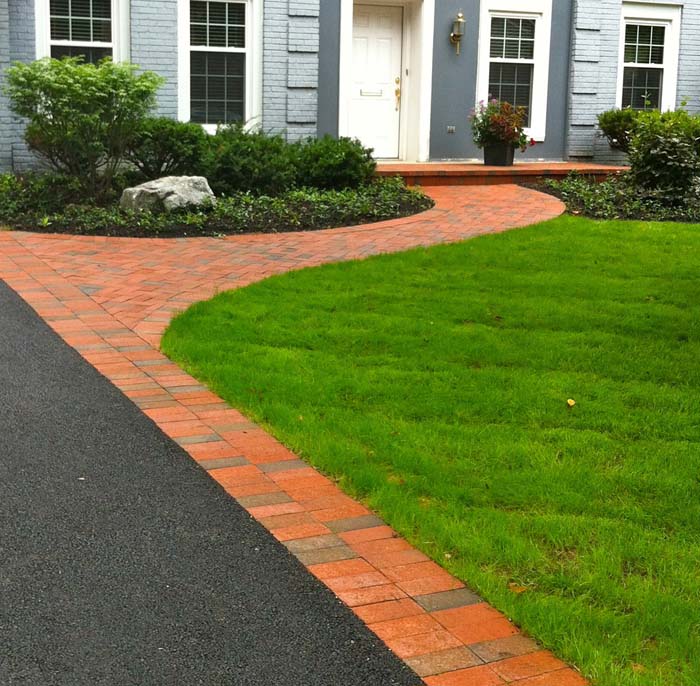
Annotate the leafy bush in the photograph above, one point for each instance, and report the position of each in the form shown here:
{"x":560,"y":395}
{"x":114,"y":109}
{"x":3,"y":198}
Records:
{"x":296,"y":210}
{"x":664,"y":153}
{"x":81,"y":117}
{"x":619,"y":197}
{"x":331,"y":163}
{"x":36,"y":194}
{"x":499,"y":122}
{"x":163,"y":147}
{"x":249,"y":161}
{"x":619,"y":126}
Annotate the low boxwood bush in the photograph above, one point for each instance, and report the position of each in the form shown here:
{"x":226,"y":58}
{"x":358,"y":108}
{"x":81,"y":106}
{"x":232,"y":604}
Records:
{"x":619,"y":126}
{"x":164,"y":147}
{"x":331,"y":163}
{"x":241,"y":212}
{"x":249,"y":161}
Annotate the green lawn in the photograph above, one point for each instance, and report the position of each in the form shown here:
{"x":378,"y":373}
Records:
{"x":434,"y":384}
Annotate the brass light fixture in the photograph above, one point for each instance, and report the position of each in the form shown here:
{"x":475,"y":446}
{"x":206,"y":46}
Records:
{"x":458,"y":31}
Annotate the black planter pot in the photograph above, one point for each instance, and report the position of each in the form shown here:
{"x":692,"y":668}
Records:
{"x":499,"y":155}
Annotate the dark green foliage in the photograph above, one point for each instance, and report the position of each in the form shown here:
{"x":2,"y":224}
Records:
{"x":296,"y":210}
{"x":619,"y":126}
{"x":333,"y":163}
{"x":664,"y":153}
{"x":249,"y":161}
{"x":81,"y":117}
{"x":164,"y":147}
{"x":619,"y":197}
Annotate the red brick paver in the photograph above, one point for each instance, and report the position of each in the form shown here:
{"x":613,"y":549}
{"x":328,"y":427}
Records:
{"x":111,"y":299}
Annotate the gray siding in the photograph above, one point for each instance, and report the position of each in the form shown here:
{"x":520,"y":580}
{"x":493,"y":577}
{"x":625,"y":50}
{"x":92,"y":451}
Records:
{"x":22,"y":49}
{"x":454,"y":83}
{"x":154,"y":46}
{"x":290,"y":67}
{"x":594,"y":68}
{"x":6,"y":134}
{"x":329,"y":67}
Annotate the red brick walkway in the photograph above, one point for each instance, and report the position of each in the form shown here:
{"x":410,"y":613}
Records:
{"x":111,"y":299}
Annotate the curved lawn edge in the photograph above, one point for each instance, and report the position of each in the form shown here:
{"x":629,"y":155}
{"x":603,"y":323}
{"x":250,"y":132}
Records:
{"x":507,"y":598}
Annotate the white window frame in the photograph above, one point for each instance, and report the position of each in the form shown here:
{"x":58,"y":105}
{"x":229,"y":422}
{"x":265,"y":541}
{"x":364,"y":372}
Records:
{"x":541,"y":12}
{"x":654,"y":14}
{"x":254,"y":61}
{"x":120,"y":31}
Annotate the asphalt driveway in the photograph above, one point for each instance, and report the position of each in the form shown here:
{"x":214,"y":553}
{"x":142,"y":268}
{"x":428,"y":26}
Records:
{"x":122,"y":563}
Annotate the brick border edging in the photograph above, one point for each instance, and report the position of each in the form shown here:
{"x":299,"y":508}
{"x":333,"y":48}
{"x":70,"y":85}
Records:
{"x":428,"y":618}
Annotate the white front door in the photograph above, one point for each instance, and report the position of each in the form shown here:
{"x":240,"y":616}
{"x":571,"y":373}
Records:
{"x":375,"y":101}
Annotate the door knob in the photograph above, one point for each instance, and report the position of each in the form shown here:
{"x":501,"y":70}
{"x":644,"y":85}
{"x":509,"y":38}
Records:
{"x":397,"y":93}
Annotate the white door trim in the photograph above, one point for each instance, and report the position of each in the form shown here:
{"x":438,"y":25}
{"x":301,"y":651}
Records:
{"x":419,"y":23}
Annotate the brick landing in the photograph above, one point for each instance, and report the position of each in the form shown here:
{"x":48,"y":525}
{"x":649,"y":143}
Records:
{"x":111,"y":299}
{"x":477,"y":174}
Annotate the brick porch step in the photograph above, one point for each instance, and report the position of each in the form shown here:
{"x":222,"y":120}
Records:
{"x":476,"y":174}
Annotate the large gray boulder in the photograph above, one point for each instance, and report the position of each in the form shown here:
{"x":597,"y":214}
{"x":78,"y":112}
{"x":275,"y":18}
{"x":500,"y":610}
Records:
{"x":168,"y":193}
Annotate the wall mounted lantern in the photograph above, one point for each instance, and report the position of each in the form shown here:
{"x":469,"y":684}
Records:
{"x":458,"y":31}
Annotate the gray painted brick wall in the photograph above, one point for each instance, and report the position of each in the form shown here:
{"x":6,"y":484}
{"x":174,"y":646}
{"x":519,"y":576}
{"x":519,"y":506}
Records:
{"x":290,"y":67}
{"x":594,"y":69}
{"x":154,"y":46}
{"x":22,"y":49}
{"x":6,"y":133}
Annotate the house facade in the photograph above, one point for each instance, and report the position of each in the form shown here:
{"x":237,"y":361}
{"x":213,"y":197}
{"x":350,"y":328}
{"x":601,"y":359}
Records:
{"x":401,"y":75}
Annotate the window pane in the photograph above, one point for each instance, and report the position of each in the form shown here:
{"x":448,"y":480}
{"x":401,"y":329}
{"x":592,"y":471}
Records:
{"x":198,"y":12}
{"x":519,"y":37}
{"x":644,"y":44}
{"x":60,"y":29}
{"x":218,"y":24}
{"x":642,"y":88}
{"x":512,"y":83}
{"x":217,"y":87}
{"x":81,"y":20}
{"x":498,"y":27}
{"x":81,"y":30}
{"x":217,"y":12}
{"x":528,"y":28}
{"x":90,"y":55}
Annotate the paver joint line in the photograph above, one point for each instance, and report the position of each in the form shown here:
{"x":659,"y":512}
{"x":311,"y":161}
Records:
{"x":111,"y":299}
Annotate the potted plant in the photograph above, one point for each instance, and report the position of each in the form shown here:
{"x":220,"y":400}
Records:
{"x":499,"y":128}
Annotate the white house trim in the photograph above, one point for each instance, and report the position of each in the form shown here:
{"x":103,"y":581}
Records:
{"x":120,"y":43}
{"x":541,"y":12}
{"x":254,"y":62}
{"x":418,"y":32}
{"x":654,"y":14}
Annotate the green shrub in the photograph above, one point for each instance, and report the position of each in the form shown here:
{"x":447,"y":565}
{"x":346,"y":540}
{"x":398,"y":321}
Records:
{"x":664,"y":153}
{"x":619,"y":197}
{"x":619,"y":126}
{"x":81,"y":117}
{"x":164,"y":147}
{"x":249,"y":161}
{"x":36,"y":194}
{"x":332,"y":163}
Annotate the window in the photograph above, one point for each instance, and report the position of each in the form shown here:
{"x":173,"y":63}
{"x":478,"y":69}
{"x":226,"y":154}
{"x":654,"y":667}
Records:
{"x":81,"y":27}
{"x":514,"y":57}
{"x":649,"y":56}
{"x":91,"y":29}
{"x":642,"y":85}
{"x":217,"y":61}
{"x":220,"y":61}
{"x":512,"y":61}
